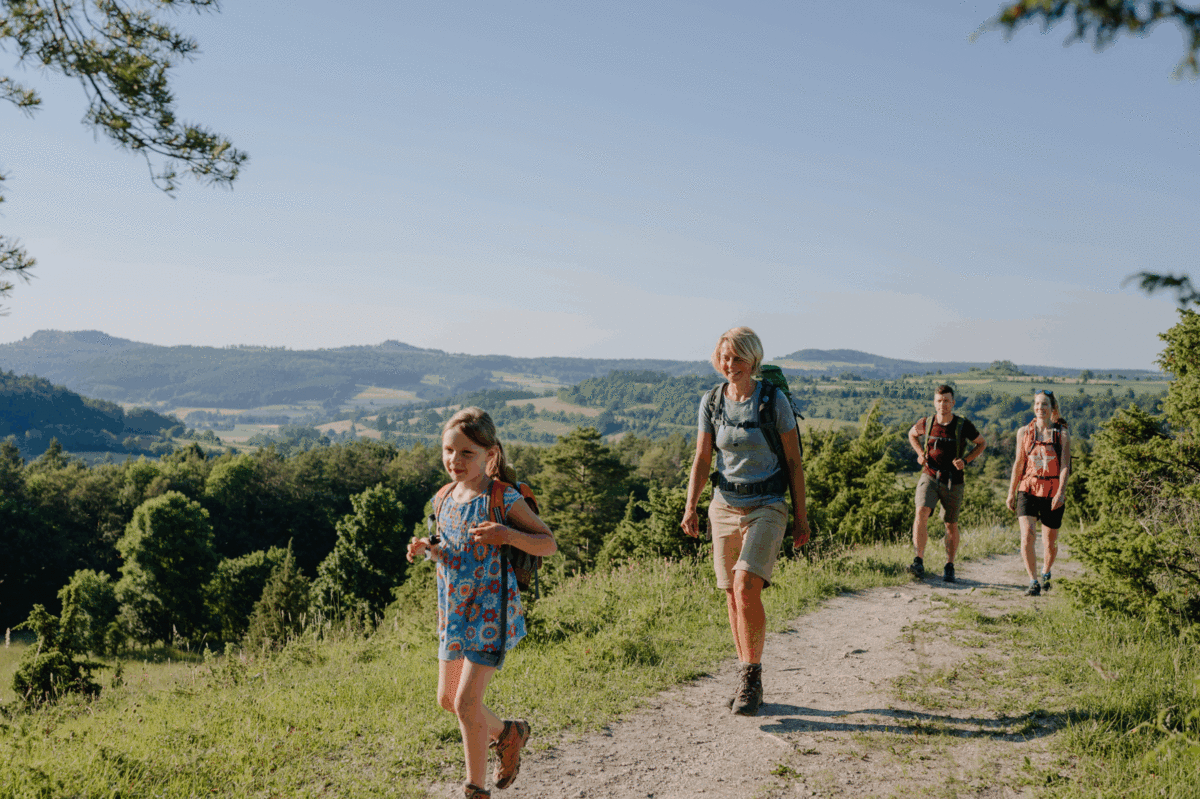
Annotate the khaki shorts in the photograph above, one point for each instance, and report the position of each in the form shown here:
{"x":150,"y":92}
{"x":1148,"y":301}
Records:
{"x":747,"y":539}
{"x":930,"y":492}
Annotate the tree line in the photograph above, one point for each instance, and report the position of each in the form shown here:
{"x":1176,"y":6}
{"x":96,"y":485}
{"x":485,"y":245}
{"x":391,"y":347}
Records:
{"x":245,"y":548}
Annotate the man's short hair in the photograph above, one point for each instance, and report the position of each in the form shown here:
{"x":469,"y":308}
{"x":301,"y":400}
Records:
{"x":944,"y":389}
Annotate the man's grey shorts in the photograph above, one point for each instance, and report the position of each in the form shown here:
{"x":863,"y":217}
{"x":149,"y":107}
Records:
{"x":930,"y":493}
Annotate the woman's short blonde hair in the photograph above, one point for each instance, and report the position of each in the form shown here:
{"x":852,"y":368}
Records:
{"x":745,"y":344}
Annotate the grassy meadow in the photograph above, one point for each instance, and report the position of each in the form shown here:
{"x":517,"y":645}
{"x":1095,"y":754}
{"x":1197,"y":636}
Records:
{"x":342,"y":714}
{"x":346,"y":715}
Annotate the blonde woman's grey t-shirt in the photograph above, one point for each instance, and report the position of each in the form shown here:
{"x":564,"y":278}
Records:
{"x":743,"y":455}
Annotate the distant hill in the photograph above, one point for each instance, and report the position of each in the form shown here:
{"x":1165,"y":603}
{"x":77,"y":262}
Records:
{"x":834,"y":362}
{"x":34,"y":411}
{"x":96,"y":364}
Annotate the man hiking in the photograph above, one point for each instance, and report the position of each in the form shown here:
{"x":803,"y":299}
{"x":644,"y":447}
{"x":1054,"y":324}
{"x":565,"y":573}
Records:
{"x":940,"y":441}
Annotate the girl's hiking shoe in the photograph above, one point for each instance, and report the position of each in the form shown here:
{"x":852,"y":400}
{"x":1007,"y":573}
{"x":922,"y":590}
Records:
{"x":471,"y":791}
{"x":1034,"y":589}
{"x":1046,"y":581}
{"x":948,"y":573}
{"x":750,"y":696}
{"x":508,"y":751}
{"x":917,"y":568}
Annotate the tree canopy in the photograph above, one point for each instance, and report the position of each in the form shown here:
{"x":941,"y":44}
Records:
{"x":1102,"y":22}
{"x":121,"y":52}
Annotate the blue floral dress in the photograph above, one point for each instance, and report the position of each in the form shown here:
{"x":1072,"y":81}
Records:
{"x":468,"y":583}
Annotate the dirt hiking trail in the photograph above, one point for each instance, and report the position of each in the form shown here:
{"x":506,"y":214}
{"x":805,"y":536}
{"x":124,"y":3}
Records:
{"x":831,"y":724}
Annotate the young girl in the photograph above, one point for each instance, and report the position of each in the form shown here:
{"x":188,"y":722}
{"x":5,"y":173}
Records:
{"x":471,"y":645}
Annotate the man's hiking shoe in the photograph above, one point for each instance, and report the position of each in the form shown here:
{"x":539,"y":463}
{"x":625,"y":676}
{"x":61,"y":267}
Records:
{"x":508,"y":751}
{"x":750,"y":696}
{"x":1034,"y":589}
{"x":948,"y":573}
{"x":471,"y":791}
{"x":917,"y":568}
{"x":1046,"y":581}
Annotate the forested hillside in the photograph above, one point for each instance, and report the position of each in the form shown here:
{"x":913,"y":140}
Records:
{"x":33,"y":411}
{"x":98,"y":365}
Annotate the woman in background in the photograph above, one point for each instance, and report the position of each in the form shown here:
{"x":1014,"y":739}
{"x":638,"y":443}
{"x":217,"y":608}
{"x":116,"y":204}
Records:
{"x":1037,"y":488}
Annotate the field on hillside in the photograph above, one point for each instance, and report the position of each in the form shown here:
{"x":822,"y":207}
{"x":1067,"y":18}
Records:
{"x":616,"y":406}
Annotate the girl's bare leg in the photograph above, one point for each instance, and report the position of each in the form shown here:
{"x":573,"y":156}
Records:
{"x":461,"y":686}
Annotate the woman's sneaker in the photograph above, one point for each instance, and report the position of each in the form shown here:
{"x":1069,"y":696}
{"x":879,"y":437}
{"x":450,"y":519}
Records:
{"x":1034,"y":589}
{"x":948,"y":573}
{"x":1046,"y":581}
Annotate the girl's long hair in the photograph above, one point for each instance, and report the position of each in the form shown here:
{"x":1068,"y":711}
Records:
{"x":477,"y":425}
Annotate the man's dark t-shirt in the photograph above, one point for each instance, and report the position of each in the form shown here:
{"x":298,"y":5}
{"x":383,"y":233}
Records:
{"x":939,"y":462}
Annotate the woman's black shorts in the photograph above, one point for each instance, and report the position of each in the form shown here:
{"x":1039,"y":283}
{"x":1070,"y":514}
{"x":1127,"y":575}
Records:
{"x":1039,"y":508}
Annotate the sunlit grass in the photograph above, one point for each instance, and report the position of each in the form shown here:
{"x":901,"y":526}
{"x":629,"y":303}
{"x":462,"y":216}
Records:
{"x":351,"y":716}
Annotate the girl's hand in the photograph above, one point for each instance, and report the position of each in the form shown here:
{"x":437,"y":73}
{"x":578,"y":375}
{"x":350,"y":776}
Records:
{"x":416,"y":547}
{"x":691,"y":523}
{"x":491,"y":533}
{"x":1012,"y":503}
{"x":1058,"y":501}
{"x":921,"y":458}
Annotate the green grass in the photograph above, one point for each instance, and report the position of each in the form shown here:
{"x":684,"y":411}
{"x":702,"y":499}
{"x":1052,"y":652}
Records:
{"x":351,"y":716}
{"x":1123,"y":696}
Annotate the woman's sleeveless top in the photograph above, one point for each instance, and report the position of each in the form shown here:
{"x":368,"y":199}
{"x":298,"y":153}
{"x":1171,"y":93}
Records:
{"x":1041,"y":462}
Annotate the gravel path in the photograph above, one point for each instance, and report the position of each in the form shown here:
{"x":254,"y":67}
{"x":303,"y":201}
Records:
{"x":831,"y":724}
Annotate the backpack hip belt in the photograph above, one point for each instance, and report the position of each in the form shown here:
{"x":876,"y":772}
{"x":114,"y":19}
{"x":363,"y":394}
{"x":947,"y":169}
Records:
{"x":775,"y":484}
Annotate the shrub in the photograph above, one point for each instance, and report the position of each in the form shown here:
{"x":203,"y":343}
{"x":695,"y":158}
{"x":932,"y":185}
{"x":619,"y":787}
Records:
{"x":236,"y":587}
{"x":53,"y":667}
{"x":282,"y":610}
{"x":89,"y":602}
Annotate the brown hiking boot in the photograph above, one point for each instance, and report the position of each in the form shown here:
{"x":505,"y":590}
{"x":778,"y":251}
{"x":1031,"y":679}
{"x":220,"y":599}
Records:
{"x":508,"y":751}
{"x":750,"y":697}
{"x":472,"y":791}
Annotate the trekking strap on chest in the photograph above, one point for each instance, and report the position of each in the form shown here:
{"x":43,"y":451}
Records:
{"x":960,"y":436}
{"x":1055,"y":437}
{"x":765,"y":420}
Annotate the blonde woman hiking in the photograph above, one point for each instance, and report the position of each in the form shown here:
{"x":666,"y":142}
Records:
{"x":751,"y":426}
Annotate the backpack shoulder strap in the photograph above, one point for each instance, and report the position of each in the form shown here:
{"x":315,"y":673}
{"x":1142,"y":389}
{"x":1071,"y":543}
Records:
{"x":1030,"y":432}
{"x":714,"y":402}
{"x":496,"y":501}
{"x":440,"y":497}
{"x":928,"y":432}
{"x":960,"y":436}
{"x":768,"y":423}
{"x":766,"y":404}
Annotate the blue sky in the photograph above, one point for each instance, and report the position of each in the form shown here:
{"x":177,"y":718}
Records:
{"x":629,"y":180}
